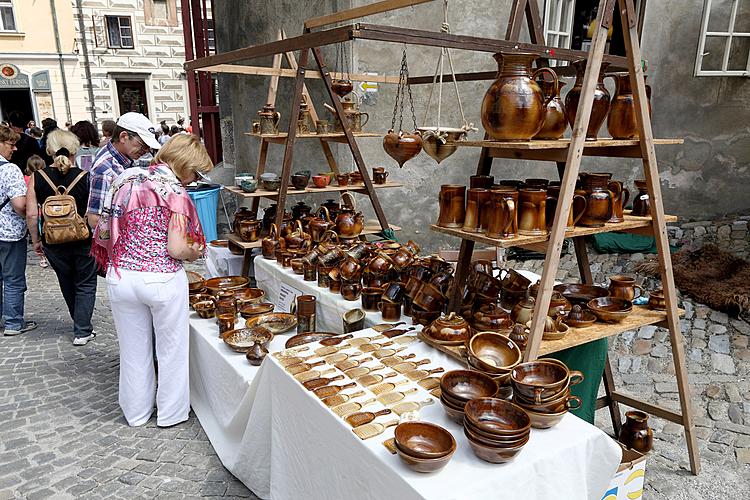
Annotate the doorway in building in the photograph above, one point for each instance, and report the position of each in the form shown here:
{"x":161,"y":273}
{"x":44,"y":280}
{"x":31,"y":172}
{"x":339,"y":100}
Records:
{"x":16,"y":100}
{"x":131,"y":96}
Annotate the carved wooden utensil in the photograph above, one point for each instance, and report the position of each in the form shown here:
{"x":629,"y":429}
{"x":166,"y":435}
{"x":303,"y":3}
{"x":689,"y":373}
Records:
{"x":321,"y":381}
{"x":335,"y":340}
{"x":395,"y":332}
{"x":339,"y":399}
{"x":374,"y":346}
{"x":373,"y":429}
{"x":408,"y":406}
{"x":332,"y":359}
{"x":358,"y":371}
{"x":351,"y":363}
{"x":290,"y":352}
{"x":365,"y":417}
{"x":374,"y":378}
{"x":384,"y":353}
{"x":361,"y":340}
{"x":345,"y":409}
{"x":390,"y":445}
{"x":387,"y":326}
{"x":408,"y":339}
{"x":387,"y":387}
{"x":390,"y":398}
{"x":294,"y":360}
{"x":394,"y":360}
{"x":311,"y":374}
{"x":410,"y":365}
{"x":417,"y":375}
{"x":429,"y":383}
{"x":330,"y":390}
{"x":326,"y":350}
{"x":303,"y":367}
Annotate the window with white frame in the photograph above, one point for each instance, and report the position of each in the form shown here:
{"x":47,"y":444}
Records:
{"x":558,"y":22}
{"x":7,"y":16}
{"x":724,"y":45}
{"x":119,"y":32}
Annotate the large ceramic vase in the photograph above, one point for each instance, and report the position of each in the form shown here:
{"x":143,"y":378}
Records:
{"x":555,"y":122}
{"x":635,"y":433}
{"x":621,"y":122}
{"x":600,"y":107}
{"x":513,"y":108}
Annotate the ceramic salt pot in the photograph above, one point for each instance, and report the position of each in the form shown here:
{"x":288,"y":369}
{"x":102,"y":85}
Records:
{"x":256,"y":353}
{"x":635,"y":433}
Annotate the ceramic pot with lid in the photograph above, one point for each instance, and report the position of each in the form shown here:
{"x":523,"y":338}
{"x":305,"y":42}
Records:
{"x":449,"y":329}
{"x":521,"y":312}
{"x":492,"y":318}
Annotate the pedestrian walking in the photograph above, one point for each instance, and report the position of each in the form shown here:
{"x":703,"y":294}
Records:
{"x":108,"y":128}
{"x":133,"y":137}
{"x":148,"y":228}
{"x":164,"y":137}
{"x":89,"y":138}
{"x":34,"y":164}
{"x":12,"y":237}
{"x":26,"y":146}
{"x":71,"y":260}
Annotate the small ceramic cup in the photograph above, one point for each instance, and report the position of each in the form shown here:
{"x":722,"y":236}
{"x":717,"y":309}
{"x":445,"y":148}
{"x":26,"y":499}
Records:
{"x":370,"y":298}
{"x":391,"y":311}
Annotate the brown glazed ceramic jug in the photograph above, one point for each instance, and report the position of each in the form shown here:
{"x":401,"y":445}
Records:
{"x":641,"y":201}
{"x":513,"y":108}
{"x":620,"y":197}
{"x":577,"y":208}
{"x":621,"y":122}
{"x":599,"y":109}
{"x":452,"y":202}
{"x":595,"y":187}
{"x":635,"y":433}
{"x":270,"y":243}
{"x":555,"y":122}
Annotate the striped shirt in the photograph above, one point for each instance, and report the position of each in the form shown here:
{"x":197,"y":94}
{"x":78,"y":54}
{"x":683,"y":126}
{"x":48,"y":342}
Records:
{"x":108,"y":164}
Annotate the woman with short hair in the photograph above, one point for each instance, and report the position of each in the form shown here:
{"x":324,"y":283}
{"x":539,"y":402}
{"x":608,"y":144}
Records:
{"x":149,"y":227}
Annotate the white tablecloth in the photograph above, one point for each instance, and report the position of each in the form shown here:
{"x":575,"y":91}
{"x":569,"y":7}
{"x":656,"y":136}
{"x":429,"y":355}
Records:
{"x":271,"y":277}
{"x":282,"y":442}
{"x":221,"y":262}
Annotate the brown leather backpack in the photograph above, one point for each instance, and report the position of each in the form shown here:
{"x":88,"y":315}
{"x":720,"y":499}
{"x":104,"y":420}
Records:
{"x":62,"y":224}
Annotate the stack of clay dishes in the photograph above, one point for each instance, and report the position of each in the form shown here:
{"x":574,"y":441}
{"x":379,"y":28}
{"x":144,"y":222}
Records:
{"x":424,"y":447}
{"x":497,"y":430}
{"x":458,"y":387}
{"x":542,"y":389}
{"x":493,"y":354}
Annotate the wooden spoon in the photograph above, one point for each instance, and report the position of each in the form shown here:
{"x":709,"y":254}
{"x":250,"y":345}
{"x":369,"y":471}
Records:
{"x":429,"y":383}
{"x":351,"y":407}
{"x":339,"y":399}
{"x":303,"y":367}
{"x":417,"y":375}
{"x":373,"y":429}
{"x":311,"y":374}
{"x":408,"y":406}
{"x":387,"y":326}
{"x":394,"y":360}
{"x":294,"y":360}
{"x":330,"y":390}
{"x":409,"y":339}
{"x":395,"y":332}
{"x":360,"y":340}
{"x":332,"y":359}
{"x":329,"y":349}
{"x":374,"y":346}
{"x":351,"y":363}
{"x":335,"y":340}
{"x":390,"y":398}
{"x":365,"y":417}
{"x":384,"y":353}
{"x":410,"y":365}
{"x":374,"y":378}
{"x":358,"y":371}
{"x":321,"y":381}
{"x":387,"y":387}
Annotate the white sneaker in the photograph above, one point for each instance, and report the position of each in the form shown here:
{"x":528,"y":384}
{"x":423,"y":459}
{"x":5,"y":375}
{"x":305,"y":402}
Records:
{"x":84,"y":340}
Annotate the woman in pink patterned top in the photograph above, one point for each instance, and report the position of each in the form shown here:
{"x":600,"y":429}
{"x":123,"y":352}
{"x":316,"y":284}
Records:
{"x":149,"y":227}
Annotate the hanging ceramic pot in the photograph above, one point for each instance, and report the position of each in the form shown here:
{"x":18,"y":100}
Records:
{"x":402,"y":146}
{"x":599,"y":108}
{"x":437,"y":143}
{"x":342,"y":87}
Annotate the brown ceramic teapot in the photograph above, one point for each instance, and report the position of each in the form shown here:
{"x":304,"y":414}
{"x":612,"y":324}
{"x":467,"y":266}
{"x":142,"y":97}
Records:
{"x":349,"y":222}
{"x":297,"y":239}
{"x":270,"y":243}
{"x":317,"y":226}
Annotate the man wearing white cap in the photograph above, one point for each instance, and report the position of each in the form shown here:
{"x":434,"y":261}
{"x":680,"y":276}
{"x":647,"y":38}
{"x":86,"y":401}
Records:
{"x":134,"y":136}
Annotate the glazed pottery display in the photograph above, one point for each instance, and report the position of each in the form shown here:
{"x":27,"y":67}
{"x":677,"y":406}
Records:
{"x":641,"y":201}
{"x":269,"y":120}
{"x":402,"y":146}
{"x":600,"y":107}
{"x":452,"y":205}
{"x":476,"y":201}
{"x":624,"y":287}
{"x":635,"y":433}
{"x":595,"y":187}
{"x":555,"y":122}
{"x":620,"y":197}
{"x":513,"y":108}
{"x":437,"y":142}
{"x":621,"y":122}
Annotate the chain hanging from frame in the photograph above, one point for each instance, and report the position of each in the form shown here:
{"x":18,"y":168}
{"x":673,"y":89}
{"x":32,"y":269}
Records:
{"x":401,"y":145}
{"x":342,"y":86}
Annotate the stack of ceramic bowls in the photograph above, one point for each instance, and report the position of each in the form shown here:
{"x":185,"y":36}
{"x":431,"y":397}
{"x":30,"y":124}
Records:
{"x":542,"y":389}
{"x":424,"y":447}
{"x":495,"y":355}
{"x":458,"y":387}
{"x":497,"y":430}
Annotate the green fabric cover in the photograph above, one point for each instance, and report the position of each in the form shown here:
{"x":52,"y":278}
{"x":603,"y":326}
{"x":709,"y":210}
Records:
{"x":624,"y":243}
{"x":588,"y":359}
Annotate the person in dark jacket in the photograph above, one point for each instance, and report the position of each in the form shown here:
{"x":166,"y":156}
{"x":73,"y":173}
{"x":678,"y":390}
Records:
{"x":27,"y":146}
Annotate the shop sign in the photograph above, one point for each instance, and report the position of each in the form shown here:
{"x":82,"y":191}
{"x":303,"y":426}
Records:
{"x":11,"y":77}
{"x":40,"y":82}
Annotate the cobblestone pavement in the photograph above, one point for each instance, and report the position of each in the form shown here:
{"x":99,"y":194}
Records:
{"x":62,"y":434}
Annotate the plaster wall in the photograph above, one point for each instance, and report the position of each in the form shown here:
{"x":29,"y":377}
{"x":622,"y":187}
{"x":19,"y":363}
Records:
{"x":707,"y":177}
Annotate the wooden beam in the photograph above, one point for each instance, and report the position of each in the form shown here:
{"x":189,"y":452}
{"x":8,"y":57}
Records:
{"x":648,"y":408}
{"x":363,"y":11}
{"x":290,"y":73}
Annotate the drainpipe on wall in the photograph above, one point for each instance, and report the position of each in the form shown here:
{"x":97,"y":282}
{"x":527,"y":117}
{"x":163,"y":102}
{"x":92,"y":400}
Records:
{"x":60,"y":58}
{"x":86,"y":65}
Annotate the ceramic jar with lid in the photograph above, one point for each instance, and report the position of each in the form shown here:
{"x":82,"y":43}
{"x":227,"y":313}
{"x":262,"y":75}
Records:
{"x":451,"y":328}
{"x":521,"y":312}
{"x":491,"y":318}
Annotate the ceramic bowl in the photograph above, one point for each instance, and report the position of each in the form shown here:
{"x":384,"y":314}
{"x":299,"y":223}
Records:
{"x":424,"y":440}
{"x":205,"y":308}
{"x":242,"y":339}
{"x":500,"y":378}
{"x":199,"y":297}
{"x":249,"y":185}
{"x":195,"y":281}
{"x":563,"y":402}
{"x":271,"y":185}
{"x":252,"y":310}
{"x":464,"y":385}
{"x":578,"y":293}
{"x":226,"y":283}
{"x":492,"y":454}
{"x":610,"y":309}
{"x":498,"y":438}
{"x":455,"y":414}
{"x":275,"y":322}
{"x":544,"y":420}
{"x":490,"y":440}
{"x":539,"y":379}
{"x":247,"y":296}
{"x":497,"y":416}
{"x":493,"y":352}
{"x":424,"y":465}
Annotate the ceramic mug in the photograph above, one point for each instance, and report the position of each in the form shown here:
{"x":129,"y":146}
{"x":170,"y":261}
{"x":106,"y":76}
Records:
{"x":429,"y":298}
{"x":309,"y":271}
{"x":624,"y":287}
{"x":391,"y":311}
{"x":476,"y":199}
{"x":452,"y":200}
{"x":532,"y":212}
{"x":320,"y":181}
{"x":342,"y":179}
{"x":370,"y":298}
{"x":394,"y":291}
{"x":350,"y":290}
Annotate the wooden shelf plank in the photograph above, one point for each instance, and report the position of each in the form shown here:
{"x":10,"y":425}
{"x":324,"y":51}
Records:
{"x":371,"y":227}
{"x":631,"y":222}
{"x":280,"y":138}
{"x":641,"y":316}
{"x":357,"y":188}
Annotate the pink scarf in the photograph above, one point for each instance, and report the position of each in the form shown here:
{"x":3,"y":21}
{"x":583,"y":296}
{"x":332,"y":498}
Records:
{"x":137,"y":187}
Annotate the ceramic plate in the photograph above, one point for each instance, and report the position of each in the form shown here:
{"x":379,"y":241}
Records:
{"x":274,"y":322}
{"x":219,"y":243}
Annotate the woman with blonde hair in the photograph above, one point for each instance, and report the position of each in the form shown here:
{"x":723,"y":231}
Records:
{"x":148,"y":228}
{"x":72,"y":261}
